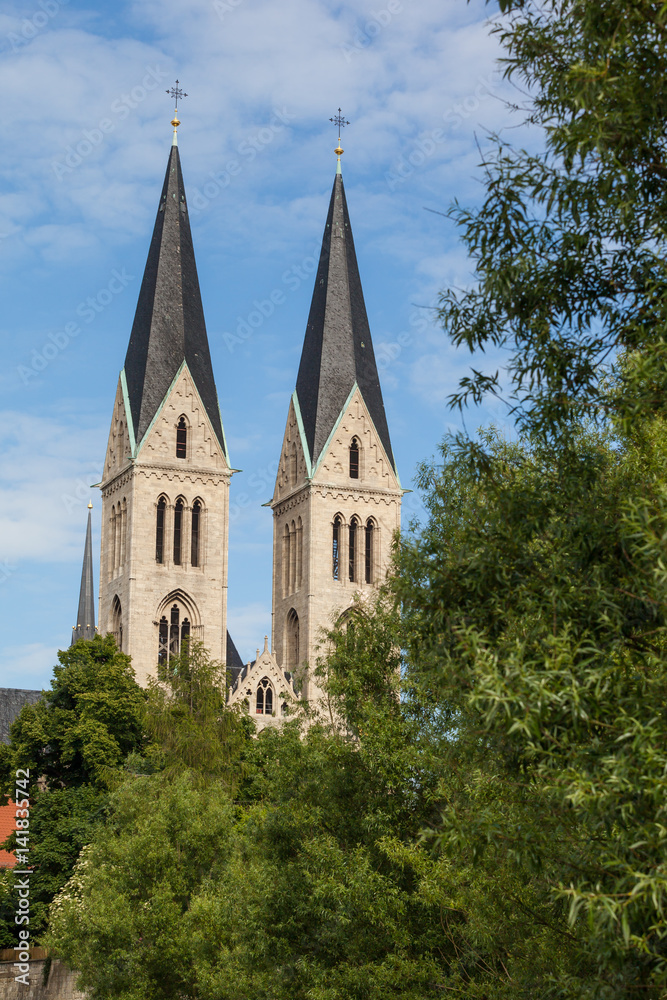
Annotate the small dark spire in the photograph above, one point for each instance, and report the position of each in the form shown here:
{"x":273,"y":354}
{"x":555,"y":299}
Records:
{"x":337,"y":348}
{"x":169,"y":325}
{"x":85,"y":619}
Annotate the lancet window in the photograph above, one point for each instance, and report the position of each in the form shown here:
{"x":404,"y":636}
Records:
{"x":337,"y":532}
{"x":194,"y":534}
{"x":159,"y":529}
{"x":354,"y":458}
{"x":117,"y":621}
{"x":369,"y":553}
{"x":292,"y":640}
{"x":181,"y":438}
{"x":178,"y":531}
{"x":352,"y":549}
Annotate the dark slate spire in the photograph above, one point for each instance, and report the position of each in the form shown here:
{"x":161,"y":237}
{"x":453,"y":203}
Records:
{"x":169,"y":325}
{"x":337,"y":349}
{"x":85,"y":619}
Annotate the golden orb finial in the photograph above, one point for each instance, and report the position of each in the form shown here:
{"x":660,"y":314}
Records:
{"x":90,"y":505}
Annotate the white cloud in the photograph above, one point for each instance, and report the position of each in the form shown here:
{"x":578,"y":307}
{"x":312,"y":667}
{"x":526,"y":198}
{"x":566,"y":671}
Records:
{"x":28,"y":666}
{"x":46,"y":469}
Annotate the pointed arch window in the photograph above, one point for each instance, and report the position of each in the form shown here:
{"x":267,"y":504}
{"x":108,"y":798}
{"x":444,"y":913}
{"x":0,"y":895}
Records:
{"x":286,"y":560}
{"x":292,"y":638}
{"x":159,"y":530}
{"x":299,"y":552}
{"x":337,"y":530}
{"x":354,"y":458}
{"x":368,"y":554}
{"x":123,"y":532}
{"x":174,"y":630}
{"x":264,"y":698}
{"x":352,"y":549}
{"x":114,"y":539}
{"x":178,"y":531}
{"x":181,"y":438}
{"x":117,"y":621}
{"x":194,"y":534}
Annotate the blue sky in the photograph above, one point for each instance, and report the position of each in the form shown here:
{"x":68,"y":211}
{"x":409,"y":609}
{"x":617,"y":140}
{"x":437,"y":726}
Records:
{"x":86,"y":134}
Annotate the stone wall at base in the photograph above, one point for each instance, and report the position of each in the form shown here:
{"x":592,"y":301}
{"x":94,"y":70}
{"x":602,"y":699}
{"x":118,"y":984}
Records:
{"x":61,"y":984}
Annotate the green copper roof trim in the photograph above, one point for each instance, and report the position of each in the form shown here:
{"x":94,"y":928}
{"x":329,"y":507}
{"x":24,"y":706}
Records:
{"x":128,"y":412}
{"x":354,"y":389}
{"x":184,"y":364}
{"x":302,"y":434}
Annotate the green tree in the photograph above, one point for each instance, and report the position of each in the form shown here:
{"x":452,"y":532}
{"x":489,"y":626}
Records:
{"x":313,"y":883}
{"x":72,"y":741}
{"x":535,"y":596}
{"x":188,"y":719}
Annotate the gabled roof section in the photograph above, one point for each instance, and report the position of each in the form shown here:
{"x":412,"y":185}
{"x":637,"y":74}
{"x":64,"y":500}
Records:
{"x":337,"y":349}
{"x":169,"y":326}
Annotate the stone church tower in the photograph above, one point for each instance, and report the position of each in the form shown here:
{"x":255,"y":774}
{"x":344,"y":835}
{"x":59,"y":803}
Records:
{"x":165,"y":488}
{"x":337,"y":498}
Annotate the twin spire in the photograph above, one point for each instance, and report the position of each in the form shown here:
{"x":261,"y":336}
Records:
{"x":169,"y":331}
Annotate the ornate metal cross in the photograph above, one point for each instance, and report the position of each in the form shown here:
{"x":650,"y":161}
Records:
{"x":337,"y":120}
{"x":177,"y":94}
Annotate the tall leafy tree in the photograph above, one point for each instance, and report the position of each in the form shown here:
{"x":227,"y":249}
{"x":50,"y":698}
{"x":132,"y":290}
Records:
{"x":72,"y":741}
{"x":535,"y":596}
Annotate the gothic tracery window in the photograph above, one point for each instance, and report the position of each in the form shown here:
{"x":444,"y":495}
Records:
{"x":181,"y":438}
{"x":172,"y":634}
{"x":264,"y":698}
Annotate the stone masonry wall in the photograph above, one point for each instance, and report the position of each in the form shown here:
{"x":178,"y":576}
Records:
{"x":61,"y":983}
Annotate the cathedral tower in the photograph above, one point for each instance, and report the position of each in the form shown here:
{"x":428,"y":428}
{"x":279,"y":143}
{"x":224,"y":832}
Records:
{"x":165,"y":489}
{"x":337,"y":498}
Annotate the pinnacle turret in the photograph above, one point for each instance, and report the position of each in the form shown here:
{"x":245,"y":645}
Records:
{"x":85,"y":619}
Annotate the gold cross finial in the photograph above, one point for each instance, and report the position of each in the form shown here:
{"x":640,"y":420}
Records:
{"x":177,"y":94}
{"x":341,"y":122}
